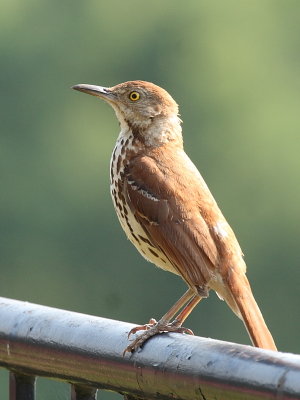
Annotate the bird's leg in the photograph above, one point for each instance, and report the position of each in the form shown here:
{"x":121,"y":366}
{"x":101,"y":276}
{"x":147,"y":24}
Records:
{"x":182,"y":316}
{"x":168,"y":316}
{"x":189,"y":300}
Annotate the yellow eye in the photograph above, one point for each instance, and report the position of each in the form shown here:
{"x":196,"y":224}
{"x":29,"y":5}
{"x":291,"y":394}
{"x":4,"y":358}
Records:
{"x":134,"y":96}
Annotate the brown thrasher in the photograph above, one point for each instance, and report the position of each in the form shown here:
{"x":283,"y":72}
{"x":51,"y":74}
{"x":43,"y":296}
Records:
{"x":168,"y":212}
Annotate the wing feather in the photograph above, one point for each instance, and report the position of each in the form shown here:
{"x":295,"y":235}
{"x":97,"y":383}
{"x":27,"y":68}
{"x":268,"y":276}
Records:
{"x":172,"y":218}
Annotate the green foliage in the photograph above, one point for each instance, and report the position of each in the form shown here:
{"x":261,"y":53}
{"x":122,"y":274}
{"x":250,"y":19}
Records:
{"x":233,"y":67}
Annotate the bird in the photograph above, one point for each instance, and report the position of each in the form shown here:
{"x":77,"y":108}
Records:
{"x":168,"y":212}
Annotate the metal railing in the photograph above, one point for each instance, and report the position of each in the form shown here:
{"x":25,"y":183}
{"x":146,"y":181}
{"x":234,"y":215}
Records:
{"x":86,"y":351}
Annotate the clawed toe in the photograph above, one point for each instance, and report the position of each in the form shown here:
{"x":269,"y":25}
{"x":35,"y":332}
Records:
{"x":144,"y":327}
{"x":183,"y":330}
{"x":180,"y":329}
{"x":151,"y":329}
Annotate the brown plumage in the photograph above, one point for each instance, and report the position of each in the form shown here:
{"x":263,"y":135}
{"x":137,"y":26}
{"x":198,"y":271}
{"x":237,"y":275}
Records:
{"x":168,"y":212}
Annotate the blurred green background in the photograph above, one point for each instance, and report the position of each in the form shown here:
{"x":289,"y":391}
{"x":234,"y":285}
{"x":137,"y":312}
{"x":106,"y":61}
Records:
{"x":233,"y":67}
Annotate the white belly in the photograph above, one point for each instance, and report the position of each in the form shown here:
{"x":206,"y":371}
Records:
{"x":134,"y":231}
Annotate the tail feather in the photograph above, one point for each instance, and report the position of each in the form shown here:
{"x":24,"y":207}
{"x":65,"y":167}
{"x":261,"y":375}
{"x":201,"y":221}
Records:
{"x":241,"y":300}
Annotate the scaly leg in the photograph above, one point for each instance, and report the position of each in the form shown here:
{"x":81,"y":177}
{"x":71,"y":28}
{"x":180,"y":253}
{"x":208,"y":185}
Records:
{"x":189,"y":300}
{"x":181,"y":317}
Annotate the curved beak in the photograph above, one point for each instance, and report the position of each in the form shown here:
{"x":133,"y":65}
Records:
{"x":99,"y":91}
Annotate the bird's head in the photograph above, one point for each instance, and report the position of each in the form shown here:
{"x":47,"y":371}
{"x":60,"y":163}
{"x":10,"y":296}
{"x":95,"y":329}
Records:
{"x":139,"y":105}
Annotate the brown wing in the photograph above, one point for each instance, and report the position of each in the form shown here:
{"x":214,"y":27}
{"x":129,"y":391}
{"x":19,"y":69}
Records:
{"x":158,"y":196}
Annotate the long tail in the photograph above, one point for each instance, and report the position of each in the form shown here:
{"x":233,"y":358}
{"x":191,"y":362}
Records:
{"x":241,"y":300}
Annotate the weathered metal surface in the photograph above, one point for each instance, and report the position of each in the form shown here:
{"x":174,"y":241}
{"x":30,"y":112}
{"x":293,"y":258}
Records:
{"x":87,"y":350}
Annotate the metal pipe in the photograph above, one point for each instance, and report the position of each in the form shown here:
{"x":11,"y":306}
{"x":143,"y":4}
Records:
{"x":87,"y":351}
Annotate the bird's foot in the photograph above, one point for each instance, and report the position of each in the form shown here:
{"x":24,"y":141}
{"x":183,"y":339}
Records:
{"x":154,"y":328}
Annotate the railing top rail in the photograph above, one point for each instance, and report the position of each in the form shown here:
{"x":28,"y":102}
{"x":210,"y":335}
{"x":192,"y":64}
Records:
{"x":88,"y":350}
